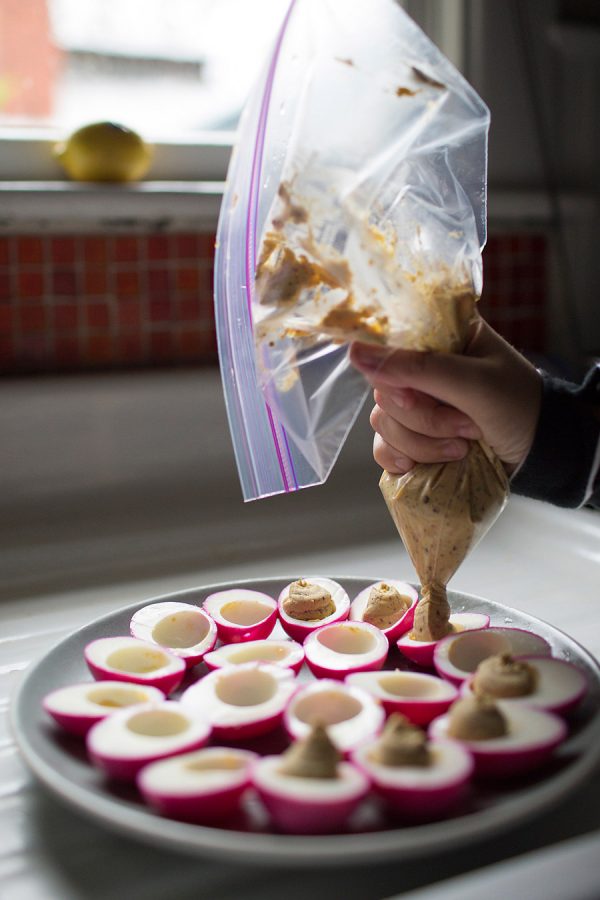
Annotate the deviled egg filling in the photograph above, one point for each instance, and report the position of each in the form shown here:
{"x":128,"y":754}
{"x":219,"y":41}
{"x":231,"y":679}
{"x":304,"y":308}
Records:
{"x":245,"y":612}
{"x":308,"y":602}
{"x":313,"y":756}
{"x":503,"y":676}
{"x":476,"y":718}
{"x":432,"y":615}
{"x":402,"y":744}
{"x":385,"y":606}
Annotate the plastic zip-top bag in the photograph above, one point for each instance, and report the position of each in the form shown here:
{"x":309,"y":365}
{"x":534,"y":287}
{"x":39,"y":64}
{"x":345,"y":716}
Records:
{"x":354,"y":209}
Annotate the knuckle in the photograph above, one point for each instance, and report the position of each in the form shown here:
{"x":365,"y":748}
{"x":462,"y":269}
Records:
{"x":375,"y":418}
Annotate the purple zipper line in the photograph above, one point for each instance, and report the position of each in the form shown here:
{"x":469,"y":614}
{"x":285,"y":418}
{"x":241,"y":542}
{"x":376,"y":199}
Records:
{"x":251,"y":238}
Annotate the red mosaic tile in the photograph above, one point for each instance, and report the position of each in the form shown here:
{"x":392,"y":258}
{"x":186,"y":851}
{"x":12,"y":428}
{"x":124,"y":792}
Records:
{"x":187,"y":246}
{"x":62,"y":250}
{"x":64,"y":282}
{"x":158,"y":247}
{"x":5,"y":290}
{"x":130,"y":348}
{"x":94,"y":249}
{"x":7,"y":354}
{"x":162,"y":345}
{"x":126,"y":249}
{"x":188,"y":309}
{"x":97,"y":315}
{"x":129,"y":313}
{"x":160,"y":309}
{"x":32,"y":317}
{"x":127,"y":283}
{"x":206,"y":245}
{"x":65,"y":316}
{"x":94,"y":281}
{"x":30,"y":284}
{"x":68,"y":352}
{"x":4,"y":251}
{"x":33,"y":349}
{"x":187,"y":279}
{"x":100,"y":348}
{"x":158,"y":281}
{"x":6,"y":319}
{"x":30,"y":250}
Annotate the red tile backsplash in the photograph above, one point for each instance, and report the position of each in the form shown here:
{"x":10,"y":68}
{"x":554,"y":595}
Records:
{"x":97,"y":301}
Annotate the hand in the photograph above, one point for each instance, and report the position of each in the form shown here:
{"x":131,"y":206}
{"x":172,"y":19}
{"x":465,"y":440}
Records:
{"x":428,"y":405}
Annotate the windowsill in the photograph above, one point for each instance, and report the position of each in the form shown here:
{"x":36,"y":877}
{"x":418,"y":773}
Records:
{"x":31,"y":206}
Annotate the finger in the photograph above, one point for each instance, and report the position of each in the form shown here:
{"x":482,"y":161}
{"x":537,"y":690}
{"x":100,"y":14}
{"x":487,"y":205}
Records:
{"x":415,"y":446}
{"x":426,"y":415}
{"x":389,"y":459}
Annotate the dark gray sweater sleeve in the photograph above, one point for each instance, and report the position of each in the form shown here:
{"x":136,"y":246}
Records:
{"x":562,"y":466}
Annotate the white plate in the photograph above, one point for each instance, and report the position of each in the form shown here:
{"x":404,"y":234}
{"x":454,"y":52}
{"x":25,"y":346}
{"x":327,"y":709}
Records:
{"x":60,"y":761}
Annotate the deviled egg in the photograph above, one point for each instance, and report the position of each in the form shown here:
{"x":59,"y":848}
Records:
{"x":241,"y":614}
{"x":308,"y":790}
{"x":336,"y":650}
{"x":541,"y":681}
{"x":184,"y":629}
{"x":419,"y":778}
{"x":311,"y":603}
{"x":418,"y":696}
{"x":204,"y":787}
{"x":124,"y":742}
{"x":284,"y":653}
{"x":79,"y":706}
{"x":420,"y":649}
{"x":388,"y":605}
{"x":457,"y":656}
{"x":504,"y":738}
{"x":130,"y":659}
{"x":350,"y":714}
{"x":242,"y":702}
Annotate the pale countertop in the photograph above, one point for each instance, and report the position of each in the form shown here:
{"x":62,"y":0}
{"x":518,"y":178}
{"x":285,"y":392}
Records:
{"x":122,"y":487}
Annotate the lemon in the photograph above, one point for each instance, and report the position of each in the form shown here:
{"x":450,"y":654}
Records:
{"x":104,"y":151}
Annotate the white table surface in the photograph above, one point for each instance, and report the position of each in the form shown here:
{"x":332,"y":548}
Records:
{"x":113,"y":491}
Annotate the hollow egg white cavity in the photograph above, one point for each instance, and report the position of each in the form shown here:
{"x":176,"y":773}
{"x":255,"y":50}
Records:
{"x":299,"y":629}
{"x":130,"y":659}
{"x":404,"y":623}
{"x":559,"y":685}
{"x":204,"y":787}
{"x":350,"y":714}
{"x":241,"y":614}
{"x":420,"y":792}
{"x":421,"y":652}
{"x":457,"y":655}
{"x":79,"y":706}
{"x":532,"y":737}
{"x":286,"y":653}
{"x":309,"y":805}
{"x":242,"y":702}
{"x":334,"y":651}
{"x":124,"y":742}
{"x":184,"y":629}
{"x":418,"y":696}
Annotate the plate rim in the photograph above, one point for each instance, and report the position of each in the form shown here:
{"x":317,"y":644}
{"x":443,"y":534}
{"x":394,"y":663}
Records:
{"x":404,"y":842}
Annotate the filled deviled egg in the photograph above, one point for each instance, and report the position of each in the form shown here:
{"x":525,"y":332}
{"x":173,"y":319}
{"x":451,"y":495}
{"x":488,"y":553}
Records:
{"x":418,"y":696}
{"x":204,"y":787}
{"x":419,"y":778}
{"x":124,"y":742}
{"x":308,"y":789}
{"x":130,"y":659}
{"x":242,"y":702}
{"x":350,"y":714}
{"x":184,"y":629}
{"x":336,"y":650}
{"x":79,"y":706}
{"x":388,"y":605}
{"x":311,"y":603}
{"x":286,"y":653}
{"x":241,"y":614}
{"x":458,"y":655}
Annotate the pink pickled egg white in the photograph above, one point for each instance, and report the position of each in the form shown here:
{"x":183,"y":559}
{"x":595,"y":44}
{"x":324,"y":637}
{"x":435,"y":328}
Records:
{"x":418,"y":696}
{"x":309,"y":805}
{"x":182,"y":628}
{"x":124,"y":742}
{"x":129,"y":659}
{"x":350,"y":714}
{"x":241,"y":614}
{"x":297,"y":629}
{"x":284,"y":653}
{"x":419,"y":792}
{"x":532,"y":737}
{"x":458,"y":655}
{"x":205,"y":786}
{"x":79,"y":706}
{"x":244,"y":701}
{"x":559,"y":685}
{"x":421,"y":652}
{"x":404,"y":623}
{"x":335,"y":650}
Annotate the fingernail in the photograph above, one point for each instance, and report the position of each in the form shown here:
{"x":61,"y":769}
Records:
{"x":367,"y":358}
{"x":452,"y":450}
{"x":470,"y":431}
